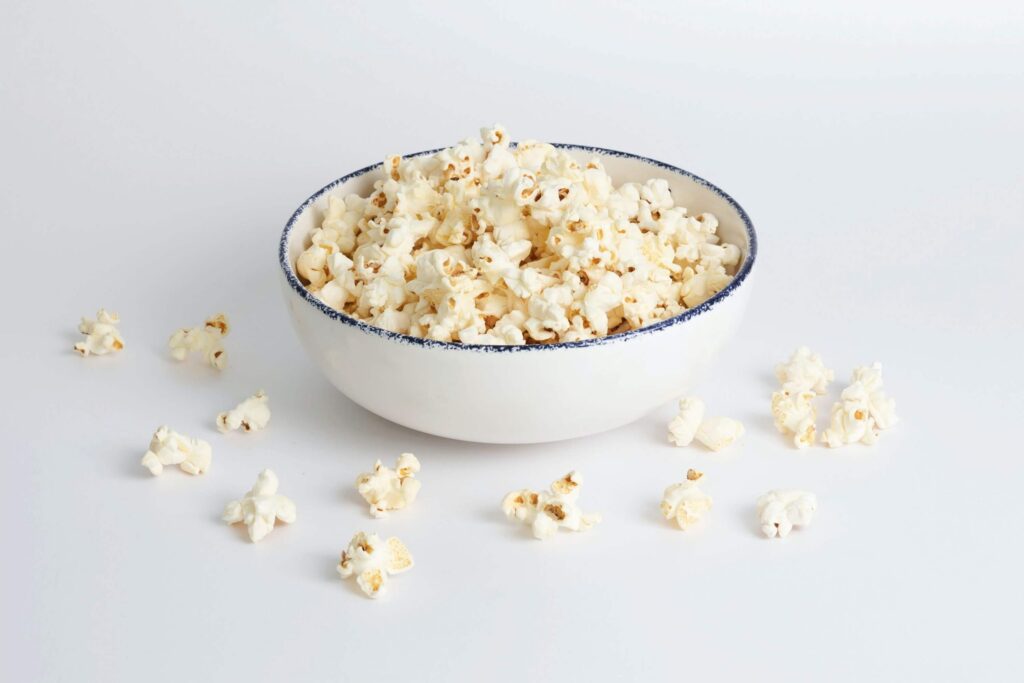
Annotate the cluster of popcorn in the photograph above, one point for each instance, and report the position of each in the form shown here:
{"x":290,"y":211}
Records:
{"x":862,"y":412}
{"x":548,"y":511}
{"x":803,"y":378}
{"x":716,"y":433}
{"x":485,"y":243}
{"x":101,"y":335}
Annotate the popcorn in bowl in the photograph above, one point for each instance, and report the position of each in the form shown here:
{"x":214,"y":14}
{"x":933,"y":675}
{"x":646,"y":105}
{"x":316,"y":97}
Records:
{"x":485,"y":243}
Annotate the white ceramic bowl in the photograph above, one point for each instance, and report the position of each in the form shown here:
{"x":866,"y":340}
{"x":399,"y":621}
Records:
{"x":521,"y":394}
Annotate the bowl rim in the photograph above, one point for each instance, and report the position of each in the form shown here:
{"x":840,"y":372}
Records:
{"x":738,"y":279}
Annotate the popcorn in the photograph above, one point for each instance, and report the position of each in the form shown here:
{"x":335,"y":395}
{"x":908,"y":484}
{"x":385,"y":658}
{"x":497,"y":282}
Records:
{"x":372,"y":561}
{"x":261,"y":507}
{"x":483,"y":243}
{"x":684,"y":502}
{"x":683,"y":426}
{"x":101,"y":335}
{"x":168,"y":447}
{"x":794,"y":413}
{"x":717,"y":433}
{"x":862,"y":411}
{"x":804,"y":371}
{"x":546,"y":511}
{"x":251,"y":415}
{"x":387,"y":489}
{"x":205,"y":340}
{"x":779,"y":511}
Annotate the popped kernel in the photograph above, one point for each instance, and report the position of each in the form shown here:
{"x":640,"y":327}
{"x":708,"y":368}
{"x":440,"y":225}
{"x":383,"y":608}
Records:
{"x":251,"y":415}
{"x":685,"y":502}
{"x":779,"y":511}
{"x":386,"y":489}
{"x":101,"y":335}
{"x":168,"y":447}
{"x":863,"y":410}
{"x":373,"y":561}
{"x":205,"y":340}
{"x":547,"y":511}
{"x":261,"y":507}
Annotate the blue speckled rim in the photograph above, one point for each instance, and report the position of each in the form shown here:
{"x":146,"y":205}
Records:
{"x":737,"y":280}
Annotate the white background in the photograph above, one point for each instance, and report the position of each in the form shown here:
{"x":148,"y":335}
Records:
{"x":150,"y":156}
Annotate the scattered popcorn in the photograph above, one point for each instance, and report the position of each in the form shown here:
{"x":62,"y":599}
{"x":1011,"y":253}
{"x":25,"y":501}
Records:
{"x":717,"y":433}
{"x":684,"y":502}
{"x":251,"y":415}
{"x":862,"y":411}
{"x":804,"y":371}
{"x":794,"y":413}
{"x":101,"y":335}
{"x":485,"y":243}
{"x":372,"y":561}
{"x":387,"y":489}
{"x":168,"y":447}
{"x":779,"y":511}
{"x":546,"y":511}
{"x":261,"y":507}
{"x":205,"y":340}
{"x":683,"y":426}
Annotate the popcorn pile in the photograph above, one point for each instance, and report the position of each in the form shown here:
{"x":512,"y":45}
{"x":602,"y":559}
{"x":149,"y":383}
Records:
{"x":483,"y":243}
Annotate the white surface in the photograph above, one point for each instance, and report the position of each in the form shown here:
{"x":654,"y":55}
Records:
{"x":151,"y":156}
{"x":437,"y":389}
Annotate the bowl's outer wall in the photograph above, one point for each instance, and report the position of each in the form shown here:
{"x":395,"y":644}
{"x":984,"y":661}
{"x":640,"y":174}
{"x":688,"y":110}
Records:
{"x":524,"y":397}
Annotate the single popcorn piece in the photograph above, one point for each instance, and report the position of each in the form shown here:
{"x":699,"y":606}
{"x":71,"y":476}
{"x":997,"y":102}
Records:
{"x":205,"y":340}
{"x":101,"y":335}
{"x":717,"y":433}
{"x":794,"y":413}
{"x":387,"y":489}
{"x":685,"y":502}
{"x":372,"y":561}
{"x":251,"y":415}
{"x":168,"y":447}
{"x":863,"y":410}
{"x":261,"y":507}
{"x":779,"y":511}
{"x":683,"y":426}
{"x":546,"y":511}
{"x":804,"y":371}
{"x":490,"y":243}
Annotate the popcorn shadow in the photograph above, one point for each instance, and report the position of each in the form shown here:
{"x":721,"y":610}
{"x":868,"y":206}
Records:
{"x":746,"y":516}
{"x":128,"y":464}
